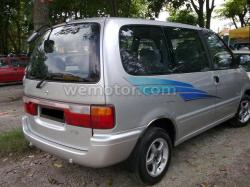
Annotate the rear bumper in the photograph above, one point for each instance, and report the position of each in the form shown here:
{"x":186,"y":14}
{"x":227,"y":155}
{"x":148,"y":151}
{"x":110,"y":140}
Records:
{"x":104,"y":150}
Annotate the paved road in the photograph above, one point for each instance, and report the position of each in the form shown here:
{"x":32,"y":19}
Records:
{"x":219,"y":157}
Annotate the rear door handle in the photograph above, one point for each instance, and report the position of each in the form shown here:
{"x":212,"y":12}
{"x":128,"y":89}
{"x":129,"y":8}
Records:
{"x":216,"y":79}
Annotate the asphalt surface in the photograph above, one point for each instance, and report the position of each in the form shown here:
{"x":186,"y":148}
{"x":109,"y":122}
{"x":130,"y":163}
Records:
{"x":218,"y":157}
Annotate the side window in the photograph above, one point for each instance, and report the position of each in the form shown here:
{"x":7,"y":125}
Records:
{"x":143,"y":50}
{"x":222,"y":58}
{"x":3,"y":63}
{"x":188,"y":51}
{"x":244,"y":61}
{"x":17,"y":63}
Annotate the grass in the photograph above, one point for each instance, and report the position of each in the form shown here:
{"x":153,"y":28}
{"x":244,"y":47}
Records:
{"x":13,"y":142}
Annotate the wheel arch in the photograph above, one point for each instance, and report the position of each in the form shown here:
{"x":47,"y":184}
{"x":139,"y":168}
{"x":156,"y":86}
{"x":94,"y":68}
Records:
{"x":166,"y":124}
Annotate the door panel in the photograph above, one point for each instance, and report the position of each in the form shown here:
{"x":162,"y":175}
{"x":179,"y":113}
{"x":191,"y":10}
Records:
{"x":18,"y":70}
{"x":4,"y":71}
{"x":7,"y":74}
{"x":228,"y":92}
{"x":227,"y":77}
{"x":20,"y":73}
{"x":195,"y":110}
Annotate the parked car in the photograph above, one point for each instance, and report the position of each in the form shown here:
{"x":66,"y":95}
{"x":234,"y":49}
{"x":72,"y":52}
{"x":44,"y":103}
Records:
{"x":12,"y":69}
{"x":244,"y":58}
{"x":241,"y":46}
{"x":105,"y":90}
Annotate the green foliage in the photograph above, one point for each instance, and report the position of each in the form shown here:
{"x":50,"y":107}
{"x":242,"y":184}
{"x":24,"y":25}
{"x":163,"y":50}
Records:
{"x":60,"y":10}
{"x":13,"y":142}
{"x":15,"y":20}
{"x":16,"y":17}
{"x":183,"y":16}
{"x":155,"y":6}
{"x":237,"y":10}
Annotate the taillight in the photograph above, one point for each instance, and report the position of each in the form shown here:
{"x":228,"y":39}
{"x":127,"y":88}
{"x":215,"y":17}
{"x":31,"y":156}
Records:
{"x":30,"y":108}
{"x":77,"y":119}
{"x":100,"y":117}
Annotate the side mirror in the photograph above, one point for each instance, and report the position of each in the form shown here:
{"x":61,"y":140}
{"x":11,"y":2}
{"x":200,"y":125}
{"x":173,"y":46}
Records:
{"x":49,"y":46}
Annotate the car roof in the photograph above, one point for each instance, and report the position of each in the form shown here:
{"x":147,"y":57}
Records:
{"x":136,"y":21}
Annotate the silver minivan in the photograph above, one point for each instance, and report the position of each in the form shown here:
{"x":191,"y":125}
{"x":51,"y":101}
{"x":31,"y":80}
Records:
{"x":105,"y":90}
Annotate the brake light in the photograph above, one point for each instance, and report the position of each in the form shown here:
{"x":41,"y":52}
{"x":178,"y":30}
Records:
{"x":100,"y":117}
{"x":77,"y":119}
{"x":30,"y":108}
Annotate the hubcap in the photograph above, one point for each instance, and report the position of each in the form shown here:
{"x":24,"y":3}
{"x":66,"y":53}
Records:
{"x":244,"y":113}
{"x":157,"y":157}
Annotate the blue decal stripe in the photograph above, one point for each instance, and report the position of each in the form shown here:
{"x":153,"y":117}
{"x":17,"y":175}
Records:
{"x":194,"y":96}
{"x":184,"y":89}
{"x":155,"y":86}
{"x":153,"y":81}
{"x":166,"y":89}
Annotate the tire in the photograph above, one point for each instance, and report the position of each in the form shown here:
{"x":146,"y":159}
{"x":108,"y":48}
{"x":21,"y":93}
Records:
{"x":244,"y":110}
{"x":148,"y":148}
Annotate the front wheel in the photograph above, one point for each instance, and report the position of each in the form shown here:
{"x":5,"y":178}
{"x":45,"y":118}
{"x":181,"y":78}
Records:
{"x":242,"y":117}
{"x":152,"y":156}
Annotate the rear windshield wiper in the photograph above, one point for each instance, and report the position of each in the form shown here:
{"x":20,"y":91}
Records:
{"x":39,"y":84}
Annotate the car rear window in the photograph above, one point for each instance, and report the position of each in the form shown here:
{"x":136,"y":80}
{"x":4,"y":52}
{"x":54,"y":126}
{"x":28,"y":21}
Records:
{"x":68,"y":53}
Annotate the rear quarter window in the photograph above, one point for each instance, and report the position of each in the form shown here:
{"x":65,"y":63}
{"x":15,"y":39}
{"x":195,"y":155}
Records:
{"x":143,"y":50}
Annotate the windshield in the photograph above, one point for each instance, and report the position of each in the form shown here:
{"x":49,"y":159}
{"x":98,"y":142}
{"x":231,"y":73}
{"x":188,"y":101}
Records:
{"x":67,"y":53}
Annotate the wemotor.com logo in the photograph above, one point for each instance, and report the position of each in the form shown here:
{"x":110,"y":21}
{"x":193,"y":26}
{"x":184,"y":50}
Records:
{"x":117,"y":90}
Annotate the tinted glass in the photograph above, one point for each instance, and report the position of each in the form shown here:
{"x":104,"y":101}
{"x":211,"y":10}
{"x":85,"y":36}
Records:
{"x":245,"y":61}
{"x":222,"y":58}
{"x":67,"y":53}
{"x":3,"y":63}
{"x":143,"y":50}
{"x":188,"y":51}
{"x":18,"y":63}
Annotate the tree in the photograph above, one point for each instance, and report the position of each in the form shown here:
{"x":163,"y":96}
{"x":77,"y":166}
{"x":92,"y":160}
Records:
{"x":60,"y":10}
{"x":155,"y":6}
{"x":204,"y":16}
{"x":209,"y":10}
{"x":40,"y":13}
{"x":199,"y":11}
{"x":15,"y":20}
{"x":203,"y":20}
{"x":236,"y":10}
{"x":183,"y":16}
